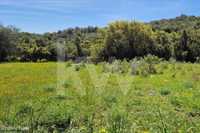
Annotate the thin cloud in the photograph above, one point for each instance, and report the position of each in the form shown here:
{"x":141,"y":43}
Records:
{"x":68,"y":13}
{"x":48,"y":4}
{"x":59,"y":7}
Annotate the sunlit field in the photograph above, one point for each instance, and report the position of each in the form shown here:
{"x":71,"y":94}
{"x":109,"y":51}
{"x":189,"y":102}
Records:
{"x":105,"y":98}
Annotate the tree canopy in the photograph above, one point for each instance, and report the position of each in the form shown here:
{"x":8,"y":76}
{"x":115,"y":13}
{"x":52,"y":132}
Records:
{"x":177,"y":38}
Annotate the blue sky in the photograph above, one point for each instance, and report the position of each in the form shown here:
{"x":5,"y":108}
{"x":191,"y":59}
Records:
{"x":41,"y":16}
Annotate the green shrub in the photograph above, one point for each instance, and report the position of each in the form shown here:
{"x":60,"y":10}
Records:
{"x":151,"y":59}
{"x":144,"y":73}
{"x":151,"y":62}
{"x":145,"y":66}
{"x":110,"y":100}
{"x":135,"y":67}
{"x":50,"y":88}
{"x":55,"y":119}
{"x":24,"y":110}
{"x":68,"y":63}
{"x":24,"y":115}
{"x":42,"y":60}
{"x":162,"y":67}
{"x":165,"y":92}
{"x":104,"y":67}
{"x":197,"y":60}
{"x":125,"y":66}
{"x":67,"y":84}
{"x":188,"y":85}
{"x":80,"y":66}
{"x":60,"y":97}
{"x":176,"y":102}
{"x":116,"y":66}
{"x":172,"y":60}
{"x":134,"y":70}
{"x":118,"y":122}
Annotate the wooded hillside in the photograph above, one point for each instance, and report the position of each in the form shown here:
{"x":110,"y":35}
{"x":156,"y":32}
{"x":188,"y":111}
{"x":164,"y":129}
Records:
{"x":177,"y":38}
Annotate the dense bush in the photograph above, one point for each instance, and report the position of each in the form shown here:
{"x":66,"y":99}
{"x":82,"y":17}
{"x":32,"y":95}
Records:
{"x":145,"y":66}
{"x":174,"y":38}
{"x":7,"y":43}
{"x":128,"y":40}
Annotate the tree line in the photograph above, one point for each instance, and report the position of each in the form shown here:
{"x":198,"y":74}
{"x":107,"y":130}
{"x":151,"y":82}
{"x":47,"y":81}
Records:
{"x":177,"y":38}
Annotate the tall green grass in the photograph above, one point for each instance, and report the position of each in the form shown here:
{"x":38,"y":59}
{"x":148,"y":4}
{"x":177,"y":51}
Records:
{"x":102,"y":98}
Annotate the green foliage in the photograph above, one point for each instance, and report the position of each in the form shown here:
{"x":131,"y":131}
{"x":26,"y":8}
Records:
{"x":188,"y":85}
{"x":68,"y":63}
{"x":79,"y":66}
{"x":118,"y":122}
{"x":170,"y":38}
{"x":127,"y":40}
{"x":177,"y":24}
{"x":165,"y":91}
{"x":164,"y":44}
{"x":125,"y":66}
{"x":117,"y":66}
{"x":51,"y":88}
{"x":7,"y":43}
{"x":176,"y":102}
{"x":145,"y":66}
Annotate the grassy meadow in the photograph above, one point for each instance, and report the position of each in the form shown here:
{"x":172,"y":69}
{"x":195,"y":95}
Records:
{"x":103,"y":98}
